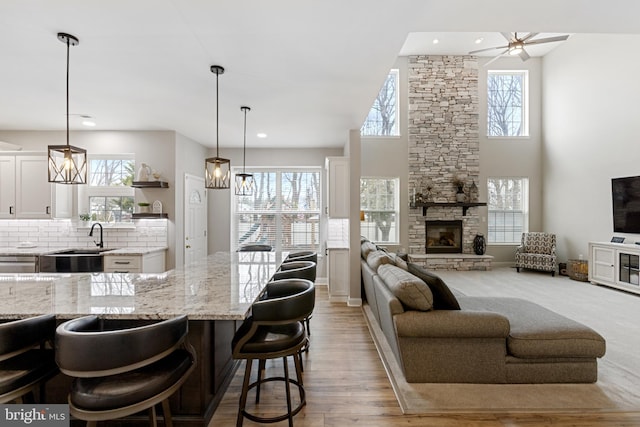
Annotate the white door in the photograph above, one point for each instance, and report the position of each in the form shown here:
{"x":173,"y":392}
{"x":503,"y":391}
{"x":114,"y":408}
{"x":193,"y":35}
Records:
{"x":195,"y":218}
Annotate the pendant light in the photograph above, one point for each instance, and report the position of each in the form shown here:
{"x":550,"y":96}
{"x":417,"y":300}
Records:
{"x":244,"y":181}
{"x":216,"y":169}
{"x":67,"y":164}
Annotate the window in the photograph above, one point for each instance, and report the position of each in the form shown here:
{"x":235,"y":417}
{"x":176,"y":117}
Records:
{"x":109,"y":196}
{"x":284,"y":210}
{"x":508,"y":208}
{"x":383,"y":117}
{"x":507,"y":103}
{"x":379,"y":201}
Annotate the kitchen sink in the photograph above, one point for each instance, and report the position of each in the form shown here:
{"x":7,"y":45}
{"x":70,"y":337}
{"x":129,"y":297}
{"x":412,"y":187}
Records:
{"x":96,"y":251}
{"x":73,"y":261}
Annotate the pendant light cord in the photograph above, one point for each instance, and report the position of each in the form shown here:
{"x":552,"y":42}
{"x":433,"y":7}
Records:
{"x":244,"y":143}
{"x":217,"y":118}
{"x":68,"y":41}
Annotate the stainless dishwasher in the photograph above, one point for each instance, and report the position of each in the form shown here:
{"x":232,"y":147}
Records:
{"x":18,"y":264}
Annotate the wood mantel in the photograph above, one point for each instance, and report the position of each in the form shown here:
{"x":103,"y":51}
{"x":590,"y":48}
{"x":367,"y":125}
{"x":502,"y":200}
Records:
{"x":463,"y":205}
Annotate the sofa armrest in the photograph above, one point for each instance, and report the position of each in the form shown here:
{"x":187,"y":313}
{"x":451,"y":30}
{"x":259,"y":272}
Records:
{"x":451,"y":324}
{"x":520,"y":250}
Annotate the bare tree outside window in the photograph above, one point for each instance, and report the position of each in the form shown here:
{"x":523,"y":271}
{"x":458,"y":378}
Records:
{"x":283,"y":211}
{"x":382,"y":119}
{"x":380,"y":204}
{"x":507,"y":103}
{"x":507,"y":208}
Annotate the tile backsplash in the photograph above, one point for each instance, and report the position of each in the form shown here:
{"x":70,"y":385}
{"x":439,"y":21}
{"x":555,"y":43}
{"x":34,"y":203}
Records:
{"x":61,"y":233}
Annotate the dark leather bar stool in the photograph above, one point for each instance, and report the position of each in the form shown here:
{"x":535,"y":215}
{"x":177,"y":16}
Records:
{"x":118,"y":372}
{"x":26,"y":356}
{"x":255,"y":247}
{"x":302,"y":256}
{"x":275,"y":330}
{"x":298,"y":270}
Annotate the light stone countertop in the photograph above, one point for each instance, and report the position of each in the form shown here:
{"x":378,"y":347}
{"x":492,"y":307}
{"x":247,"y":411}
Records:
{"x":39,"y":250}
{"x":221,"y":286}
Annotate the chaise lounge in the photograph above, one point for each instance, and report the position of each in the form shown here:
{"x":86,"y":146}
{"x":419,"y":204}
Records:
{"x":439,"y":335}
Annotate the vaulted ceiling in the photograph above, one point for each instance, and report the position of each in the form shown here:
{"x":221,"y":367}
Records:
{"x":309,"y":70}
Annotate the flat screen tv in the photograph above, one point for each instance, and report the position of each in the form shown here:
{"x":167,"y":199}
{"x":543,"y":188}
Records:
{"x":626,"y":204}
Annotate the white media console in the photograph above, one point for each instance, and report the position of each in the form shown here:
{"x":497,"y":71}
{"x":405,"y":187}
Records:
{"x":616,"y":265}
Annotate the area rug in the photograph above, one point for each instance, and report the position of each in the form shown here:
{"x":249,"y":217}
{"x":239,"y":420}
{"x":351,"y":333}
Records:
{"x":614,"y":314}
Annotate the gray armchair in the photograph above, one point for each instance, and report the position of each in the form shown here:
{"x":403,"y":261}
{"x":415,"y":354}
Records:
{"x":537,"y":251}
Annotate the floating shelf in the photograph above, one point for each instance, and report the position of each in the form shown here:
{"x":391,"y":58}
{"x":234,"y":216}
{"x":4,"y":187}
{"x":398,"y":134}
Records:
{"x":463,"y":205}
{"x":150,"y":215}
{"x":150,"y":184}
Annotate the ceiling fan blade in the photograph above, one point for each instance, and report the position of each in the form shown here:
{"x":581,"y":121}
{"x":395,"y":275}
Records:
{"x":508,"y":36}
{"x":495,"y":57}
{"x":528,"y":36}
{"x":487,"y":49}
{"x":524,"y":55}
{"x":548,"y":40}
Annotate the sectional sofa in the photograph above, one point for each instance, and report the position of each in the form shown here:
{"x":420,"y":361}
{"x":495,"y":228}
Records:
{"x":439,"y":335}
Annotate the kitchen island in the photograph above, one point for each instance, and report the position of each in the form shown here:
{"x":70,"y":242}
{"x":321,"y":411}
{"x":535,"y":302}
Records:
{"x":216,"y":294}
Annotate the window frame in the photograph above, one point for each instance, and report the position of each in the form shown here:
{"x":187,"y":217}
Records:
{"x":524,"y":211}
{"x":396,"y":127}
{"x":85,"y":192}
{"x":396,"y":238}
{"x":279,"y":211}
{"x":525,"y":134}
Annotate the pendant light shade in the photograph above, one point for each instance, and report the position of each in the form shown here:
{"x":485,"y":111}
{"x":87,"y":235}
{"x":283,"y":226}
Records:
{"x":244,"y":181}
{"x":217,"y":171}
{"x":67,"y":164}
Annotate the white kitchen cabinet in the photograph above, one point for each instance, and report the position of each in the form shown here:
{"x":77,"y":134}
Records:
{"x":7,"y":186}
{"x":26,"y":192}
{"x":337,"y":187}
{"x":338,"y":276}
{"x":616,"y":265}
{"x":147,"y":263}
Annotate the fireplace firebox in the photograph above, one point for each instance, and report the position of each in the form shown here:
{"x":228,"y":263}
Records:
{"x":443,"y":237}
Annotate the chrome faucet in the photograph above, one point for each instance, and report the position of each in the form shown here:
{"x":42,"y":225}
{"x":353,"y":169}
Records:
{"x":100,"y":244}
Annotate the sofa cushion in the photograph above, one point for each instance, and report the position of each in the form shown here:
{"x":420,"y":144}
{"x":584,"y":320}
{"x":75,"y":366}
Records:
{"x":410,"y":290}
{"x":443,"y":298}
{"x":376,"y":258}
{"x":539,"y":333}
{"x":366,"y":248}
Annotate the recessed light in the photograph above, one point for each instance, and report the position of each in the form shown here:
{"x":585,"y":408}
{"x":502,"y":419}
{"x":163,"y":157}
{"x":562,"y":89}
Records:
{"x":87,"y":120}
{"x":436,"y":41}
{"x":261,"y":135}
{"x":479,"y":40}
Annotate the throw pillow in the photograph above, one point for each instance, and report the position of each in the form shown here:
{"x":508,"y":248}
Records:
{"x":410,"y":290}
{"x":401,"y":263}
{"x":366,"y":248}
{"x":376,"y":258}
{"x":443,"y":298}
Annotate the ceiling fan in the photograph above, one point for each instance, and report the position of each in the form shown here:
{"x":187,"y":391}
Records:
{"x":516,"y":45}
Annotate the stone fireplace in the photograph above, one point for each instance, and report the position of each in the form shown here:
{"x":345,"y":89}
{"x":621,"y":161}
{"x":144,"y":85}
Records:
{"x":443,"y":237}
{"x":444,"y":147}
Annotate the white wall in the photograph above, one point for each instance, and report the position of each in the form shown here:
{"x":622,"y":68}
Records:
{"x":512,"y":157}
{"x":591,"y":134}
{"x":389,"y":156}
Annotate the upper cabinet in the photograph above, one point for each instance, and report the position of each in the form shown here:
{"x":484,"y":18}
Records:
{"x":25,"y":191}
{"x":337,"y":187}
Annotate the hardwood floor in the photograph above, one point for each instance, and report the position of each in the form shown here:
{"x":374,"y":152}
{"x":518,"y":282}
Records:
{"x":346,"y":385}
